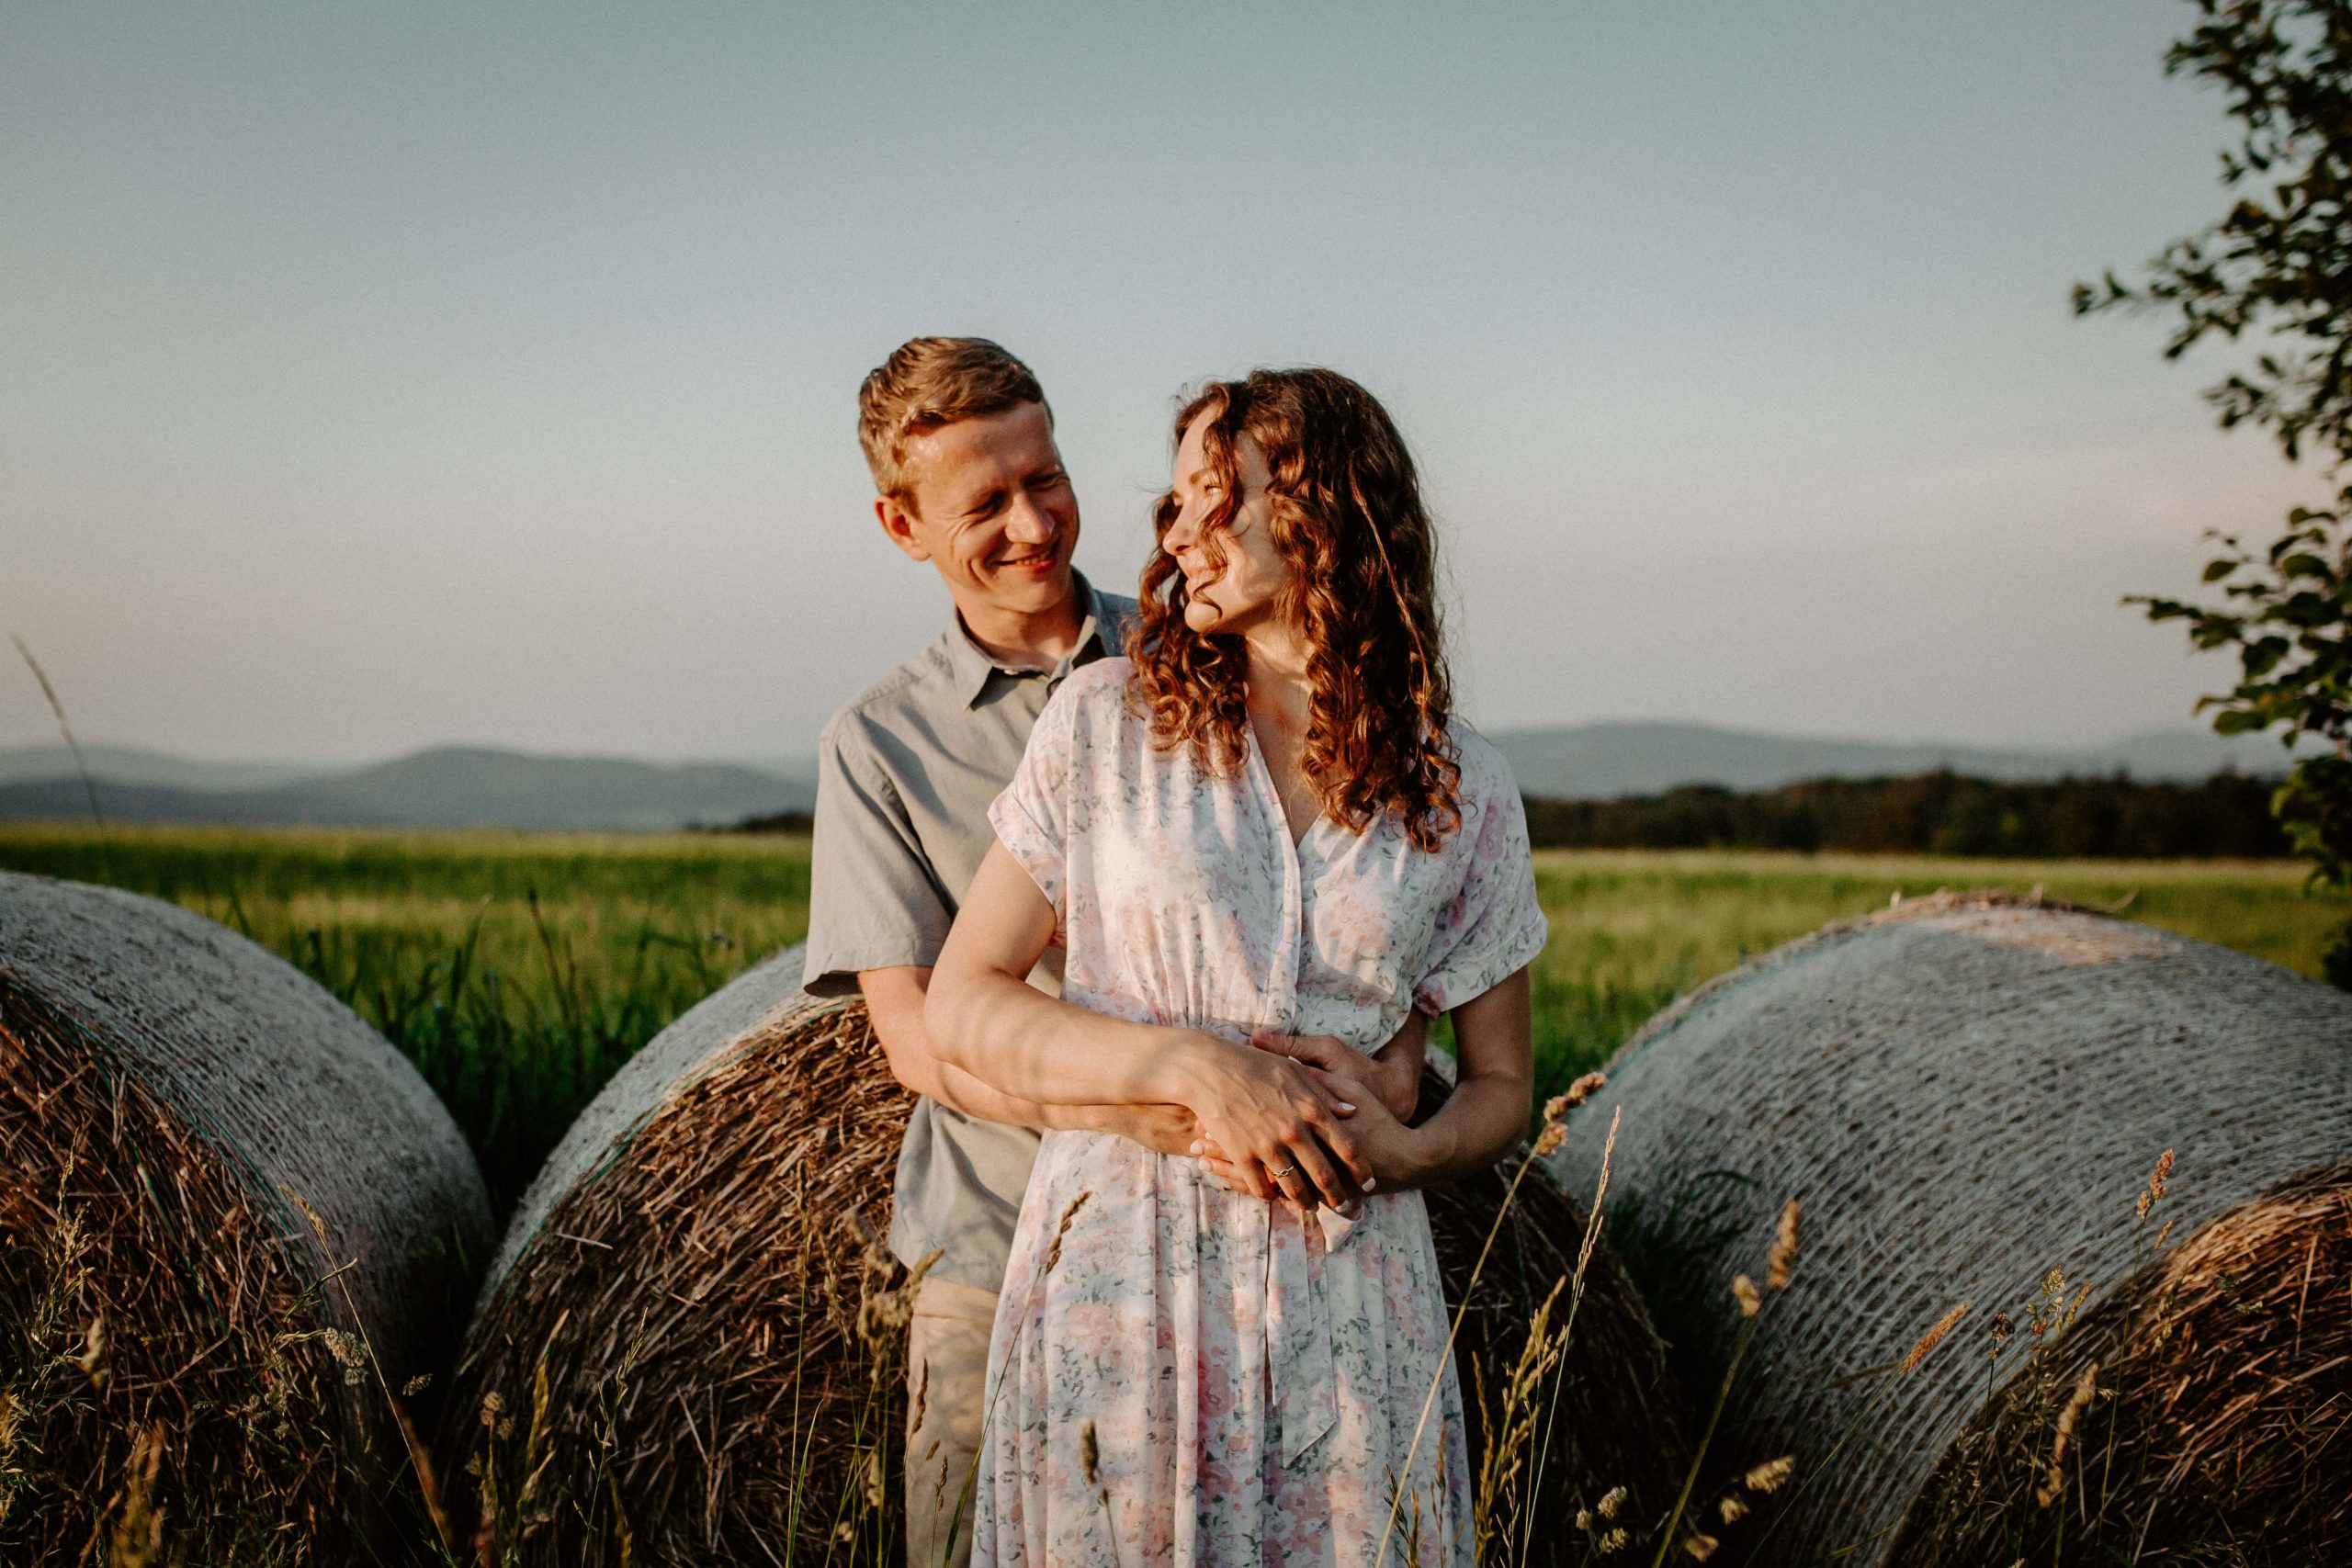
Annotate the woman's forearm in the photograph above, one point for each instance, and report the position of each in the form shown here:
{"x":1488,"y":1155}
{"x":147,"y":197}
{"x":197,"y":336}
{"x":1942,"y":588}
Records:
{"x":1021,"y":1043}
{"x":983,"y":1015}
{"x":1486,"y":1115}
{"x":1480,"y":1123}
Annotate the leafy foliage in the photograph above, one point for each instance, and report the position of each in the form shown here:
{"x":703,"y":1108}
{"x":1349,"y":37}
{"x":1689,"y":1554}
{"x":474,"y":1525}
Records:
{"x":2280,"y":263}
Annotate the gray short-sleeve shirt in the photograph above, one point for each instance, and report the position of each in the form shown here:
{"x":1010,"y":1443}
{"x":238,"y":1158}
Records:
{"x":905,"y":774}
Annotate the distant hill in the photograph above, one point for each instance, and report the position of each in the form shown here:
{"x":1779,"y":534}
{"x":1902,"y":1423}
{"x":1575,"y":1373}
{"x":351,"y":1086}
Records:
{"x":447,"y":787}
{"x":1604,"y":761}
{"x":138,"y":765}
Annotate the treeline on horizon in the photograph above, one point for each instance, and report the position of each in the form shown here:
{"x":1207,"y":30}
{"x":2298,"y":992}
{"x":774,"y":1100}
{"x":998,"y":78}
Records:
{"x":2228,"y":815}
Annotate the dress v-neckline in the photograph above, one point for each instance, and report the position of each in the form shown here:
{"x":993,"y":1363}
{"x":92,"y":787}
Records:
{"x":1273,"y":791}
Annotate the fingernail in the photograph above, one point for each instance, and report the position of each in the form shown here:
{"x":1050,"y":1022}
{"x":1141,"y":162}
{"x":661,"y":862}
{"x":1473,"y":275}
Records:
{"x":1370,"y":1183}
{"x":1345,"y":1106}
{"x":1195,"y":1148}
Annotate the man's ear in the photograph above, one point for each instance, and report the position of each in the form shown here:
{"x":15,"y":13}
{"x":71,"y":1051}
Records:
{"x":900,"y":525}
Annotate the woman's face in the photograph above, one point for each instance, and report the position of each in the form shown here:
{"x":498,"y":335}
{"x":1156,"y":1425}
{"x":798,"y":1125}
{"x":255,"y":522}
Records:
{"x":1237,"y":585}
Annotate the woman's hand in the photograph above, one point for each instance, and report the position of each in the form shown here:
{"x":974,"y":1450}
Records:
{"x":1399,"y":1158}
{"x":1277,"y":1127}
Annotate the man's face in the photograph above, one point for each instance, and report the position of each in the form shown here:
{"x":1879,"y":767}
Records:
{"x":992,"y":508}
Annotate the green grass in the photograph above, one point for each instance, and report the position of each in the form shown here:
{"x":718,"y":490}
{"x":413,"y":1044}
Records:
{"x":1631,"y":930}
{"x":519,"y":970}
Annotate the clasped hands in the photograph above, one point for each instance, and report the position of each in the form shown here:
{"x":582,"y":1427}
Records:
{"x":1307,"y":1119}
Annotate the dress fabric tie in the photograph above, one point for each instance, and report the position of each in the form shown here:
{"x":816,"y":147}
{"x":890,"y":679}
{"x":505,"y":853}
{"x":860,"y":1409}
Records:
{"x":1302,"y":1353}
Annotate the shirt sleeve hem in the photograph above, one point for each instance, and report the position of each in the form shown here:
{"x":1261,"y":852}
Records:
{"x":833,"y":972}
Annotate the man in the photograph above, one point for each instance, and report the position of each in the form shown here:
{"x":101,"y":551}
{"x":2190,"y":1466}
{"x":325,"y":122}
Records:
{"x":967,"y":476}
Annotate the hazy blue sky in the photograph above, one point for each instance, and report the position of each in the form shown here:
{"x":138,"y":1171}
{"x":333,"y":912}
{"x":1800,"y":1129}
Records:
{"x":382,"y":377}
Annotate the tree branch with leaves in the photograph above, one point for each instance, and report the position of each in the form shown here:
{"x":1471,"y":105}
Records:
{"x":2278,"y":266}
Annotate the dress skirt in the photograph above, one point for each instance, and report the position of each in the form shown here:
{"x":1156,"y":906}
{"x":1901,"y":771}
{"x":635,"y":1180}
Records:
{"x":1181,"y":1375}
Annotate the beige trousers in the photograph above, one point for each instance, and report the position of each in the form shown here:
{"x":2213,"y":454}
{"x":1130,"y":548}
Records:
{"x":947,"y":1367}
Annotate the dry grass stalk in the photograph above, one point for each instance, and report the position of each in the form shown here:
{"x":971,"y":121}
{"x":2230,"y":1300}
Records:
{"x":1611,"y":1415}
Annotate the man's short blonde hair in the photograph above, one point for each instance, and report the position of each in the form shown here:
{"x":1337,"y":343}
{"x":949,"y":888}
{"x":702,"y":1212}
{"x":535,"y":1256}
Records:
{"x":928,"y":382}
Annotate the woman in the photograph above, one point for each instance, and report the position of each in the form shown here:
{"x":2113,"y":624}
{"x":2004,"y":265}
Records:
{"x":1261,"y":823}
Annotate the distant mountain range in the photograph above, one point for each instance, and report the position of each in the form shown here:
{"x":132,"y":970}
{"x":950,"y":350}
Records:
{"x":447,"y":787}
{"x":482,"y":786}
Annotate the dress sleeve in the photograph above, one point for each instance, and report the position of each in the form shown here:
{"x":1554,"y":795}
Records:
{"x":1493,"y":927}
{"x":1032,"y":814}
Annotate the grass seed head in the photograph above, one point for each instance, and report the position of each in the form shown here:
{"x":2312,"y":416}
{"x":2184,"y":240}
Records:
{"x":1732,"y":1509}
{"x":1054,"y":1253}
{"x":1933,"y":1337}
{"x":1769,"y":1476}
{"x":2153,"y":1193}
{"x":1752,"y":1300}
{"x":1779,"y":1264}
{"x":1701,"y":1547}
{"x":1613,"y":1500}
{"x":92,"y":1359}
{"x":1615,"y":1540}
{"x":2053,"y":1485}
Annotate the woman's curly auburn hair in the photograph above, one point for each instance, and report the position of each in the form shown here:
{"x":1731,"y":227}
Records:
{"x":1348,"y":519}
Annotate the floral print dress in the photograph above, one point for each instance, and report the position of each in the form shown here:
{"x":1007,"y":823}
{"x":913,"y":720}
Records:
{"x":1182,"y":1375}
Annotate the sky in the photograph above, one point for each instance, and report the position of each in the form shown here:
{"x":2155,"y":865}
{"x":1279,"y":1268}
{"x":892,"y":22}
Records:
{"x":382,"y":377}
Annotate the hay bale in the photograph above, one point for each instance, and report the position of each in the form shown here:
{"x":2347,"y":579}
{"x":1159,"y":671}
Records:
{"x":692,"y":1332}
{"x":688,"y":1341}
{"x":233,"y":1223}
{"x":1966,"y":1093}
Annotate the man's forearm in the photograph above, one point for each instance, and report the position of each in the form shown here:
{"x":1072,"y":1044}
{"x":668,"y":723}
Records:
{"x":894,"y":1002}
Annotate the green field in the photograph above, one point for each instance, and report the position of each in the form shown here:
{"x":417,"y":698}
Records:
{"x":520,"y":970}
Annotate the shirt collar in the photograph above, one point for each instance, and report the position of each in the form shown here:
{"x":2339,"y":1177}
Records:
{"x":974,"y":669}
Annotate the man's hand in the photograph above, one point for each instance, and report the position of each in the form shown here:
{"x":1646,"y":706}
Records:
{"x":1163,"y":1129}
{"x":1392,"y":1075}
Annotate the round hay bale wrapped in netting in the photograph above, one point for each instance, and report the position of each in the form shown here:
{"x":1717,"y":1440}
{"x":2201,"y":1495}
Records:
{"x":2076,"y":1240}
{"x":236,"y":1228}
{"x":689,"y":1347}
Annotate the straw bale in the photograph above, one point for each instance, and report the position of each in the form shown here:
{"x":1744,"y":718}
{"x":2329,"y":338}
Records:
{"x":1965,"y":1093}
{"x":697,"y":1286}
{"x":234,"y":1224}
